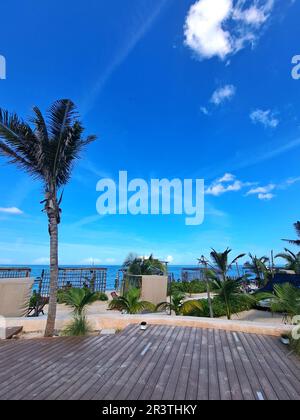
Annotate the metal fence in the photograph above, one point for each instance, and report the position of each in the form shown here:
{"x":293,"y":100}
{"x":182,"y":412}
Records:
{"x":14,"y":273}
{"x":190,"y":274}
{"x":92,"y":278}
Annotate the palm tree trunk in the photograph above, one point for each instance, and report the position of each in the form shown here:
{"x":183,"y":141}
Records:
{"x":53,"y":231}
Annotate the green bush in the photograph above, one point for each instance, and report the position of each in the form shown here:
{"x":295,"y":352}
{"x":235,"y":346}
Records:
{"x":193,"y":287}
{"x":101,"y":296}
{"x":219,"y":308}
{"x":61,"y":296}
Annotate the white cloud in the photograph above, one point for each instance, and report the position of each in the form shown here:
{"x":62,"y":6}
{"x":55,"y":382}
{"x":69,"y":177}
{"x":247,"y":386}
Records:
{"x":204,"y":110}
{"x":266,"y":118}
{"x":170,"y":259}
{"x":225,"y":184}
{"x":227,"y":178}
{"x":266,"y":197}
{"x":11,"y":210}
{"x":223,"y":27}
{"x":262,"y":190}
{"x":222,"y":94}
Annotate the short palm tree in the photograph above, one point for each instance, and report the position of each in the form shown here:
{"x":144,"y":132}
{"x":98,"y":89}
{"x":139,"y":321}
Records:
{"x":286,"y":299}
{"x":230,"y":294}
{"x":297,"y":241}
{"x":78,"y":299}
{"x":46,"y":149}
{"x":131,"y":303}
{"x":292,"y":259}
{"x":178,"y":305}
{"x":222,"y":263}
{"x":258,"y":266}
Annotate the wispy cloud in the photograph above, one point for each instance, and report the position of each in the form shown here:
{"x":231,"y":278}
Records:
{"x":225,"y":184}
{"x":221,"y":28}
{"x":223,"y":94}
{"x":266,"y":193}
{"x":267,"y":118}
{"x":11,"y":210}
{"x":263,"y":193}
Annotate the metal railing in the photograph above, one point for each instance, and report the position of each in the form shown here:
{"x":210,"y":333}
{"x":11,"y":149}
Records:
{"x":93,"y":278}
{"x":13,"y":272}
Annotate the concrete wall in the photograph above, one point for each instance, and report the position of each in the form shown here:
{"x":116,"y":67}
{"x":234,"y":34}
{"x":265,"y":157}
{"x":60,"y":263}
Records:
{"x":117,"y":321}
{"x":154,"y":289}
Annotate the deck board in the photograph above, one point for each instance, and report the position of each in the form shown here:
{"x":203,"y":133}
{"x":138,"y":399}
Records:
{"x":161,"y":363}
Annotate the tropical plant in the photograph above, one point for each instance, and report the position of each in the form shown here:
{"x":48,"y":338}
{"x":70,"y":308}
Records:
{"x":78,"y":299}
{"x":222,"y":263}
{"x":130,"y":303}
{"x":46,"y":148}
{"x":144,"y":266}
{"x":297,"y":241}
{"x":178,"y":305}
{"x":292,"y":259}
{"x":258,"y":266}
{"x":230,"y":294}
{"x":286,"y":299}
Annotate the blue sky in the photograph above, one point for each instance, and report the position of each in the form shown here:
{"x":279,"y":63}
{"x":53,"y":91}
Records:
{"x":185,"y":89}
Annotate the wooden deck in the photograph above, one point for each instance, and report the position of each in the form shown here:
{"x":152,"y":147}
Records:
{"x":161,"y":363}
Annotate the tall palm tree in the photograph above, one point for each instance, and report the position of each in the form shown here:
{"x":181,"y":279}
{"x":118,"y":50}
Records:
{"x":46,"y":149}
{"x":258,"y":266}
{"x":222,"y":263}
{"x":297,"y":241}
{"x":292,"y":259}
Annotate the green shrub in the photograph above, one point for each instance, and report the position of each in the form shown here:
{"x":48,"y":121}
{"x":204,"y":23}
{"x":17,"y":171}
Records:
{"x":101,"y":296}
{"x":219,"y":308}
{"x":193,"y":287}
{"x":61,"y":296}
{"x":78,"y":327}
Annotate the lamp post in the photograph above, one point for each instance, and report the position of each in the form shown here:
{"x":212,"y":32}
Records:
{"x":203,"y":261}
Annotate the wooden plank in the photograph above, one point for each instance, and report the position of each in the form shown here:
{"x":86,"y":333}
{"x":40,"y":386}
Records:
{"x":86,"y":383}
{"x":284,"y":375}
{"x":143,"y":372}
{"x":192,"y":386}
{"x":117,"y":378}
{"x":234,"y":384}
{"x":177,"y":384}
{"x":241,"y":372}
{"x":122,"y":389}
{"x":213,"y":380}
{"x":29,"y":362}
{"x":37,"y":368}
{"x":149,"y":387}
{"x":203,"y":382}
{"x":167,"y":369}
{"x":225,"y":393}
{"x":266,"y":368}
{"x":185,"y":372}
